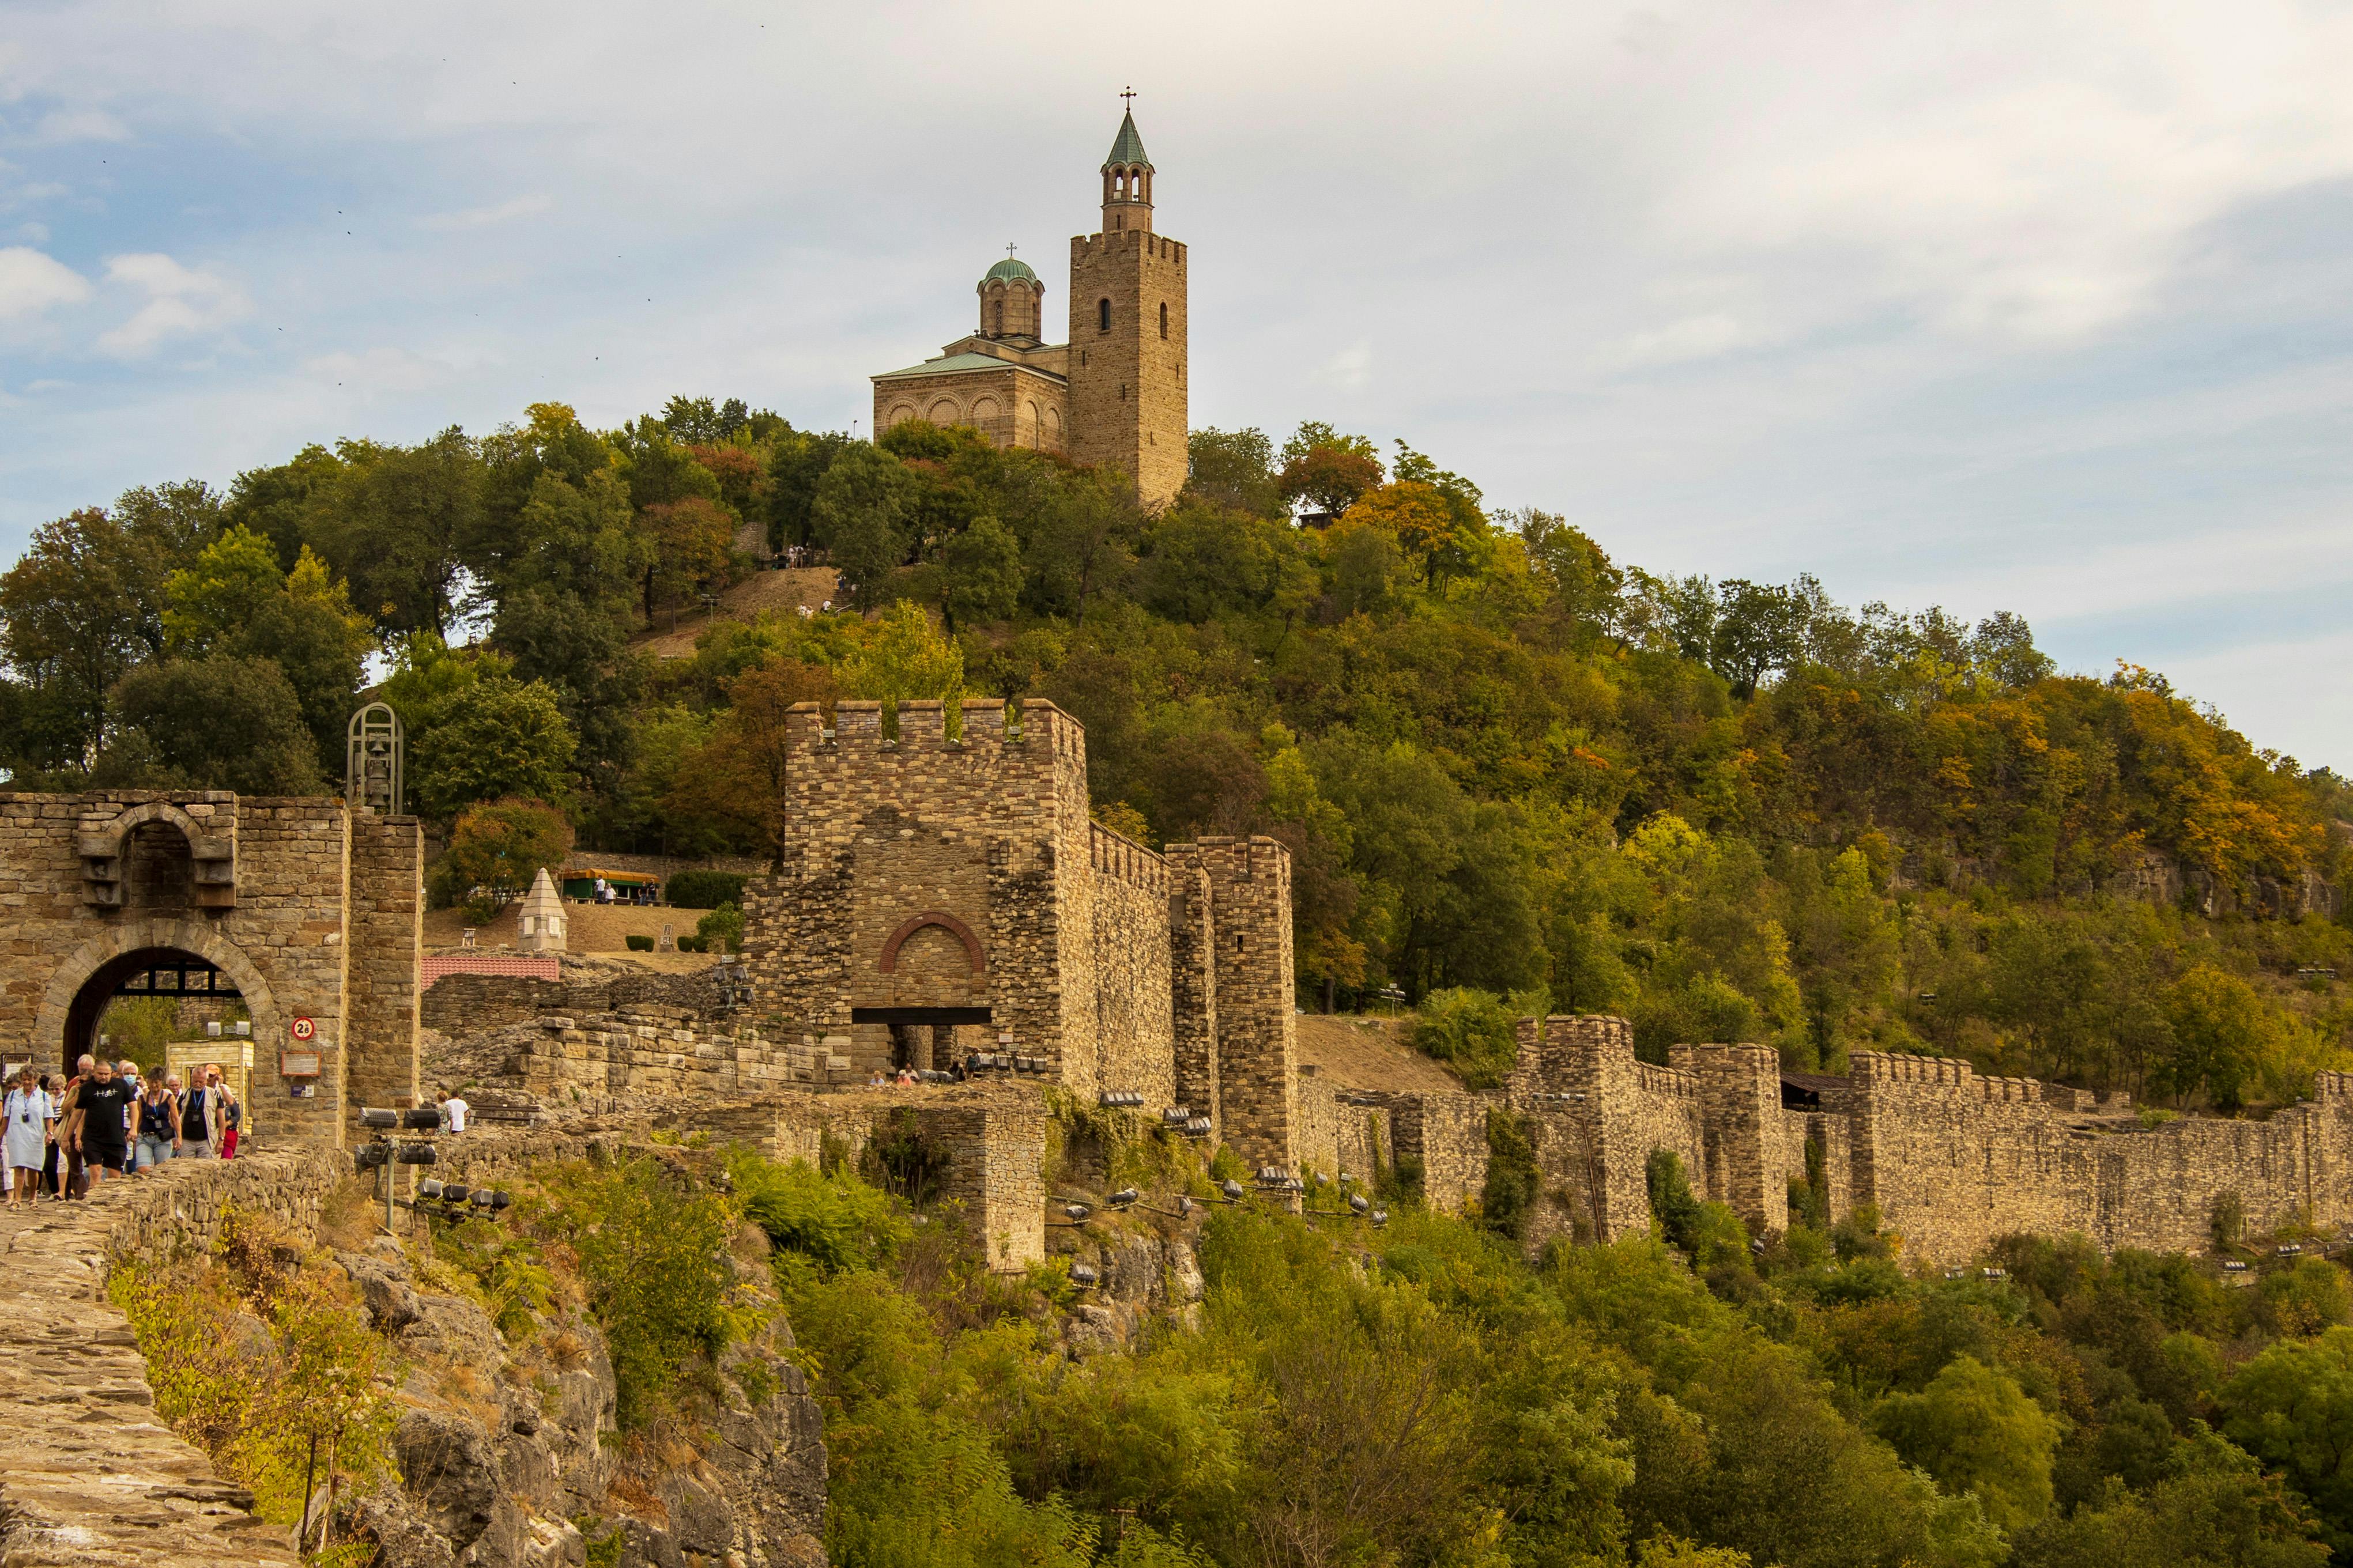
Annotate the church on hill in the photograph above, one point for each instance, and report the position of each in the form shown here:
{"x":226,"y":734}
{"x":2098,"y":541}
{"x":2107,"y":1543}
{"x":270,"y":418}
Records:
{"x":1113,"y":395}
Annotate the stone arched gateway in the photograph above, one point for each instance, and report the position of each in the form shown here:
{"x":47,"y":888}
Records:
{"x":306,"y":906}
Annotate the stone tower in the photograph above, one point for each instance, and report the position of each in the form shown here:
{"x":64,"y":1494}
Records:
{"x":1126,"y":352}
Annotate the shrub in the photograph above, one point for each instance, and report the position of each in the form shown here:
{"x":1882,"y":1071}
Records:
{"x":639,"y":943}
{"x":1671,"y":1203}
{"x":1510,"y":1189}
{"x":704,"y":890}
{"x":653,"y":1255}
{"x":1469,"y":1029}
{"x":720,"y":931}
{"x":692,"y":944}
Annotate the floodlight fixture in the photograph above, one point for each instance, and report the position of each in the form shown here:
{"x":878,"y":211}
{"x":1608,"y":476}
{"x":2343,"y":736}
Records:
{"x":1124,"y":1196}
{"x":416,"y":1153}
{"x":377,"y":1116}
{"x":424,"y":1118}
{"x":1083,"y":1276}
{"x":429,"y":1187}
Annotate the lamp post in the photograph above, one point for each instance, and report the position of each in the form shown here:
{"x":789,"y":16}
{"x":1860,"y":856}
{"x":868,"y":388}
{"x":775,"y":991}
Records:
{"x":386,"y":1150}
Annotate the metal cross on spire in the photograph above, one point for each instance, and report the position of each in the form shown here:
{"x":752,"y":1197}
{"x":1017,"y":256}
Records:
{"x":1129,"y":97}
{"x":1008,"y":252}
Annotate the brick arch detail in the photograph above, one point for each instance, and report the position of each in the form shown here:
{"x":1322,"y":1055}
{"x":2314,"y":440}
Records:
{"x":120,"y":828}
{"x":945,"y":921}
{"x":188,"y":936}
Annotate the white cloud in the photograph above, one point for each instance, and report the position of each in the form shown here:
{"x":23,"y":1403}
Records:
{"x":80,"y":125}
{"x":32,"y":283}
{"x":1693,"y":338}
{"x":389,"y":370}
{"x":179,"y":302}
{"x":1350,"y":368}
{"x":484,"y":217}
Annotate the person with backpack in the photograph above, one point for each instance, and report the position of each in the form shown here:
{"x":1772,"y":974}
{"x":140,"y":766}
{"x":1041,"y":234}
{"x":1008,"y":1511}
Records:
{"x":159,"y":1124}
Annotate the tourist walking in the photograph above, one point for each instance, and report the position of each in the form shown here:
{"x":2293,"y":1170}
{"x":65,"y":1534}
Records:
{"x":69,"y":1117}
{"x":454,"y":1112}
{"x":52,"y":1175}
{"x":98,"y":1139}
{"x":199,"y":1122}
{"x":30,"y":1115}
{"x":231,"y":1120}
{"x":159,"y":1124}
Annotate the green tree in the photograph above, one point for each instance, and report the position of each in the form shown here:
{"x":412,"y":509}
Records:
{"x":2292,"y":1407}
{"x":218,"y":722}
{"x":401,"y":525}
{"x":2220,"y":1037}
{"x":1977,"y":1431}
{"x":907,"y":658}
{"x":496,"y":849}
{"x":1234,"y":470}
{"x":493,"y":737}
{"x":860,"y":513}
{"x":978,"y":574}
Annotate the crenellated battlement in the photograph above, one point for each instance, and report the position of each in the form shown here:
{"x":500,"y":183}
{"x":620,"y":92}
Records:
{"x":866,"y":729}
{"x":1879,"y":1068}
{"x":1150,"y":246}
{"x":1122,"y":860}
{"x":1673,"y":1083}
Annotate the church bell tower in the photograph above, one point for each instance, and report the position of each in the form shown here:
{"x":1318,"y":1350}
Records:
{"x":1126,"y":365}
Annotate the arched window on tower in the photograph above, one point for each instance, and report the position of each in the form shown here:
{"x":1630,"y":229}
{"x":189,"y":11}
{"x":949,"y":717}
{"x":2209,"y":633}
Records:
{"x":1164,"y":318}
{"x":1000,"y":318}
{"x":1102,"y":315}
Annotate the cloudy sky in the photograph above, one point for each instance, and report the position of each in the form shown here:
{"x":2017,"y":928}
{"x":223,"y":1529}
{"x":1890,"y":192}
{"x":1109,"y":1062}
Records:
{"x":1988,"y":305}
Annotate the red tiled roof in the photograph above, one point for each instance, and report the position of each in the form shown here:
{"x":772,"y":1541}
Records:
{"x":546,"y":967}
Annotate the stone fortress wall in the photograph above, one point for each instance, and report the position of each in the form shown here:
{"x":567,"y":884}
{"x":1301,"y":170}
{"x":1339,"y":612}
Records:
{"x":1952,"y":1159}
{"x":942,"y":890}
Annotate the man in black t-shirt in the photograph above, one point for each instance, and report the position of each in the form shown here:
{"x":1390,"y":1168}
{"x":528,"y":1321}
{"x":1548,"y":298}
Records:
{"x":101,"y":1114}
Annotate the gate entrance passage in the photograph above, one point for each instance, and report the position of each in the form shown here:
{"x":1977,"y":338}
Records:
{"x":925,"y":1038}
{"x":287,"y":908}
{"x":149,"y":974}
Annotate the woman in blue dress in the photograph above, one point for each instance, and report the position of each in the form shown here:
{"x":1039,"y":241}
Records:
{"x":29,"y":1111}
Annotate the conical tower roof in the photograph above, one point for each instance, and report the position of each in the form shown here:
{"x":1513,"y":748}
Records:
{"x":1128,"y":148}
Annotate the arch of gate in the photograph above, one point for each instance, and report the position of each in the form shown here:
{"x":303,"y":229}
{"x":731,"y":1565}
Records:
{"x":80,"y":985}
{"x":310,"y":907}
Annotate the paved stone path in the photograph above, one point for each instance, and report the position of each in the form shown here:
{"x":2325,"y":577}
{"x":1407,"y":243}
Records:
{"x":88,"y":1475}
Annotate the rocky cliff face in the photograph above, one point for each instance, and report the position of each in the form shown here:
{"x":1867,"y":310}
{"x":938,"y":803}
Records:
{"x":511,"y":1457}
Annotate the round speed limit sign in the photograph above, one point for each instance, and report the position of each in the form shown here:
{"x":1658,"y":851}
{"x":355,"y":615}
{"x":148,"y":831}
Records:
{"x":304,"y":1029}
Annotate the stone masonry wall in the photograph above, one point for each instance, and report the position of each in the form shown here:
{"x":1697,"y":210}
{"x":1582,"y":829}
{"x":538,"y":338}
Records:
{"x":382,"y":945}
{"x":1951,"y":1158}
{"x":1135,"y":1025}
{"x":1193,"y":985}
{"x":266,"y":904}
{"x":1341,"y":1129}
{"x":1257,"y":994}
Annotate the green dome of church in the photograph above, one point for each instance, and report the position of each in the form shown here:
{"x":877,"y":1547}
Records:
{"x":1009,"y":271}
